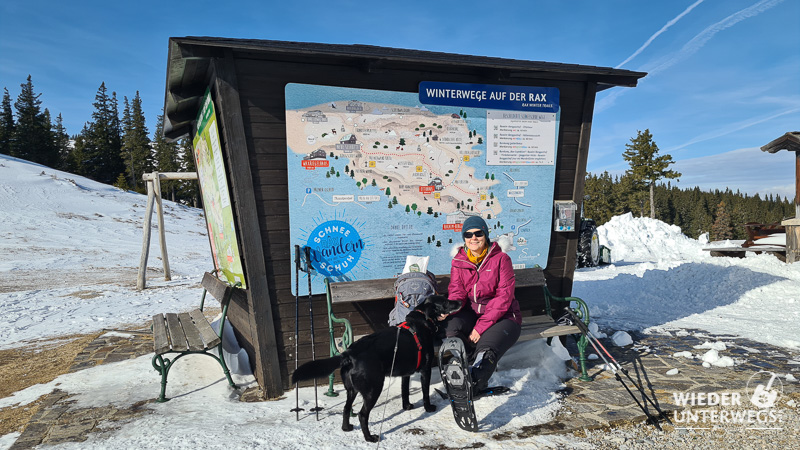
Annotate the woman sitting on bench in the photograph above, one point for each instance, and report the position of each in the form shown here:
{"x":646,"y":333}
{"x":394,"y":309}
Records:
{"x":482,"y":279}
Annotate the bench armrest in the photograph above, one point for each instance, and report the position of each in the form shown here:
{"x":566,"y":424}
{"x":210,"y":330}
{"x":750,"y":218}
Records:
{"x":581,"y":308}
{"x":347,"y":336}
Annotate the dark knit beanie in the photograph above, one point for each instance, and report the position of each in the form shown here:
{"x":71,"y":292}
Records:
{"x":473,"y":222}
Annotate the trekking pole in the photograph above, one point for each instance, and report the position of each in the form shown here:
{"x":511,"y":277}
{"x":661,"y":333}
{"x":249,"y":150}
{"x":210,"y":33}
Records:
{"x":297,"y":407}
{"x":627,"y":375}
{"x":593,"y":340}
{"x":307,"y":252}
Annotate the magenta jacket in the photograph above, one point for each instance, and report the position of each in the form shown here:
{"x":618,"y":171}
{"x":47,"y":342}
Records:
{"x":489,"y":287}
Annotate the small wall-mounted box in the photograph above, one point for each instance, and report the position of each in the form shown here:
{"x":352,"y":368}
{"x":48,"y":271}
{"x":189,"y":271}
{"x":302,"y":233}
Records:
{"x":565,"y":215}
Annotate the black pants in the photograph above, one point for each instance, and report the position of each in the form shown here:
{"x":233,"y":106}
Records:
{"x":498,"y":338}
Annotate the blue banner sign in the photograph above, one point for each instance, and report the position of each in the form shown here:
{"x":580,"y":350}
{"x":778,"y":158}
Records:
{"x":489,"y":96}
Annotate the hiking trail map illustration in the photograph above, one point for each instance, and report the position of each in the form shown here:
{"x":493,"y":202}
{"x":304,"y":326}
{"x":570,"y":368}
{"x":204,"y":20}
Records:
{"x":216,"y":196}
{"x":375,"y":176}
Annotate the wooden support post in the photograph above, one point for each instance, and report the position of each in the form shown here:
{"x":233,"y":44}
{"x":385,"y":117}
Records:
{"x":797,"y":185}
{"x":148,"y":215}
{"x":792,"y":239}
{"x":162,"y":238}
{"x":153,"y":181}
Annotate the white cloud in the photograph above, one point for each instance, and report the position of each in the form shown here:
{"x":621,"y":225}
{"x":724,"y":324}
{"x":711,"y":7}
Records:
{"x":731,"y":129}
{"x":749,"y":170}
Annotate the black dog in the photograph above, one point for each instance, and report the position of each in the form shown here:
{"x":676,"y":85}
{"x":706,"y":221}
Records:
{"x":368,"y":361}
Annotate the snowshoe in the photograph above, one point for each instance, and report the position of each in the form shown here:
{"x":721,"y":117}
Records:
{"x":488,"y":392}
{"x":454,"y":369}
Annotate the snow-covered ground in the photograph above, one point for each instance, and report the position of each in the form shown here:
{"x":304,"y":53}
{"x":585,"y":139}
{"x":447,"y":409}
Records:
{"x":71,"y":248}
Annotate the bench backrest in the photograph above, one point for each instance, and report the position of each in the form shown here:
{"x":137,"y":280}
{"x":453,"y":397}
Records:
{"x":357,"y":291}
{"x":218,"y":289}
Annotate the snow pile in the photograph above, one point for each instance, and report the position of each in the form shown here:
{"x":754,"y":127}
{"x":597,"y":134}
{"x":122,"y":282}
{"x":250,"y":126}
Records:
{"x":236,"y":357}
{"x":621,"y":339}
{"x":595,"y":330}
{"x":718,"y":346}
{"x":662,"y":281}
{"x":645,"y":239}
{"x":712,"y":358}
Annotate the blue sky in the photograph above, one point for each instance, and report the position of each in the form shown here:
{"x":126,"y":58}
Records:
{"x":724,"y":75}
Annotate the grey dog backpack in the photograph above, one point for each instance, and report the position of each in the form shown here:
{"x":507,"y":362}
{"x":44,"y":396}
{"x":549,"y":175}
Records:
{"x":410,"y":289}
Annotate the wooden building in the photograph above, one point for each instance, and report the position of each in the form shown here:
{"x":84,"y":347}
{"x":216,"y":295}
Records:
{"x":246,"y":79}
{"x":791,"y":142}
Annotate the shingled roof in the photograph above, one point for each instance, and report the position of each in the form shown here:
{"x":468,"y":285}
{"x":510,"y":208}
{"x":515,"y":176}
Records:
{"x":189,"y":59}
{"x":789,"y":141}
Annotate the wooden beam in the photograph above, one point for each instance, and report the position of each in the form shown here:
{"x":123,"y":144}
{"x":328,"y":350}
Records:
{"x":170,"y":176}
{"x":262,"y":327}
{"x":577,"y":189}
{"x":148,"y":218}
{"x":797,"y":185}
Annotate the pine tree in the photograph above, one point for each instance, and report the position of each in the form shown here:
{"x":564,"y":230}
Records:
{"x":102,"y":147}
{"x":167,"y":157}
{"x":77,"y":155}
{"x":122,"y":182}
{"x":646,"y":166}
{"x":32,"y":139}
{"x":7,"y":125}
{"x":61,"y":143}
{"x":722,"y":229}
{"x":599,"y":204}
{"x":136,"y":152}
{"x":189,"y":190}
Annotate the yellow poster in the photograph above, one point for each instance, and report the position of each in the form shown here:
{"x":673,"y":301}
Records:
{"x":216,"y":196}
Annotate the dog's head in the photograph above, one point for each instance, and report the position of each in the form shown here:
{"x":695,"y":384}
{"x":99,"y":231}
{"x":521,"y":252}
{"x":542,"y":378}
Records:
{"x":437,"y":305}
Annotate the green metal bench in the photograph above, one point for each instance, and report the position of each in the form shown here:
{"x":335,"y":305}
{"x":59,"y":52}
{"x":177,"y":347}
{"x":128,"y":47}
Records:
{"x":533,"y":326}
{"x":191,"y":333}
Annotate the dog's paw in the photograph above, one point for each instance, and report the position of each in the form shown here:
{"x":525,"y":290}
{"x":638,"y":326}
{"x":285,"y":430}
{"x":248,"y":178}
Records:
{"x":408,"y":406}
{"x":347,"y":427}
{"x":372,"y":438}
{"x":430,"y":408}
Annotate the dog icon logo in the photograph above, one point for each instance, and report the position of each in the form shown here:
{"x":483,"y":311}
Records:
{"x":764,"y":396}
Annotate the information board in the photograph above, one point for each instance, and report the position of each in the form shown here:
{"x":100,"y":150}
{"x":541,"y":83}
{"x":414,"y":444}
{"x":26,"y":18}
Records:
{"x":375,"y":176}
{"x":216,"y":195}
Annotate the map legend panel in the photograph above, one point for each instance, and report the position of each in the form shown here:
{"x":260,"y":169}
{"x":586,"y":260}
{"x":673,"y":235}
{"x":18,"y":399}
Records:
{"x":520,"y":138}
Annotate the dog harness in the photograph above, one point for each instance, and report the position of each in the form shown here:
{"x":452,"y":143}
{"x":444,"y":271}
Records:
{"x":405,"y":326}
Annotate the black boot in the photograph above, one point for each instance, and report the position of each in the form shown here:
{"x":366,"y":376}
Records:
{"x":482,"y":370}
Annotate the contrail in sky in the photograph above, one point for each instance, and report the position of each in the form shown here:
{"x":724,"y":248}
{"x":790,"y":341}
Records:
{"x":690,"y":48}
{"x":657,"y":33}
{"x":697,"y":42}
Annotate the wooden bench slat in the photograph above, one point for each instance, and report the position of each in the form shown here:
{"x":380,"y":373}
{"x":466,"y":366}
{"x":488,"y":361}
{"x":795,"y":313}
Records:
{"x":176,"y":336}
{"x":160,"y":338}
{"x":216,"y":287}
{"x":538,"y":327}
{"x":207,"y":333}
{"x":193,"y":337}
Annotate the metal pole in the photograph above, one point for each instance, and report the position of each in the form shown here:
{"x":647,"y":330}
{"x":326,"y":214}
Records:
{"x":297,"y":407}
{"x":307,"y":252}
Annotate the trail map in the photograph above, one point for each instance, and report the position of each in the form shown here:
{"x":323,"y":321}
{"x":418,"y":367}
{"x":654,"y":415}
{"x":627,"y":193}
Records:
{"x":375,"y":176}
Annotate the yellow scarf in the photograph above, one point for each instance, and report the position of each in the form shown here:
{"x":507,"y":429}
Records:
{"x":479,"y":258}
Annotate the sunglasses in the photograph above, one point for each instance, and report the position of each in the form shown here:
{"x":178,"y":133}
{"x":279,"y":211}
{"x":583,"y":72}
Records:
{"x":469,"y":234}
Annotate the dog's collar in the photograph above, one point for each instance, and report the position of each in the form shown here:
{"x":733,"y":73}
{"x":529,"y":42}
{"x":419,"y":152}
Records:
{"x":405,"y":326}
